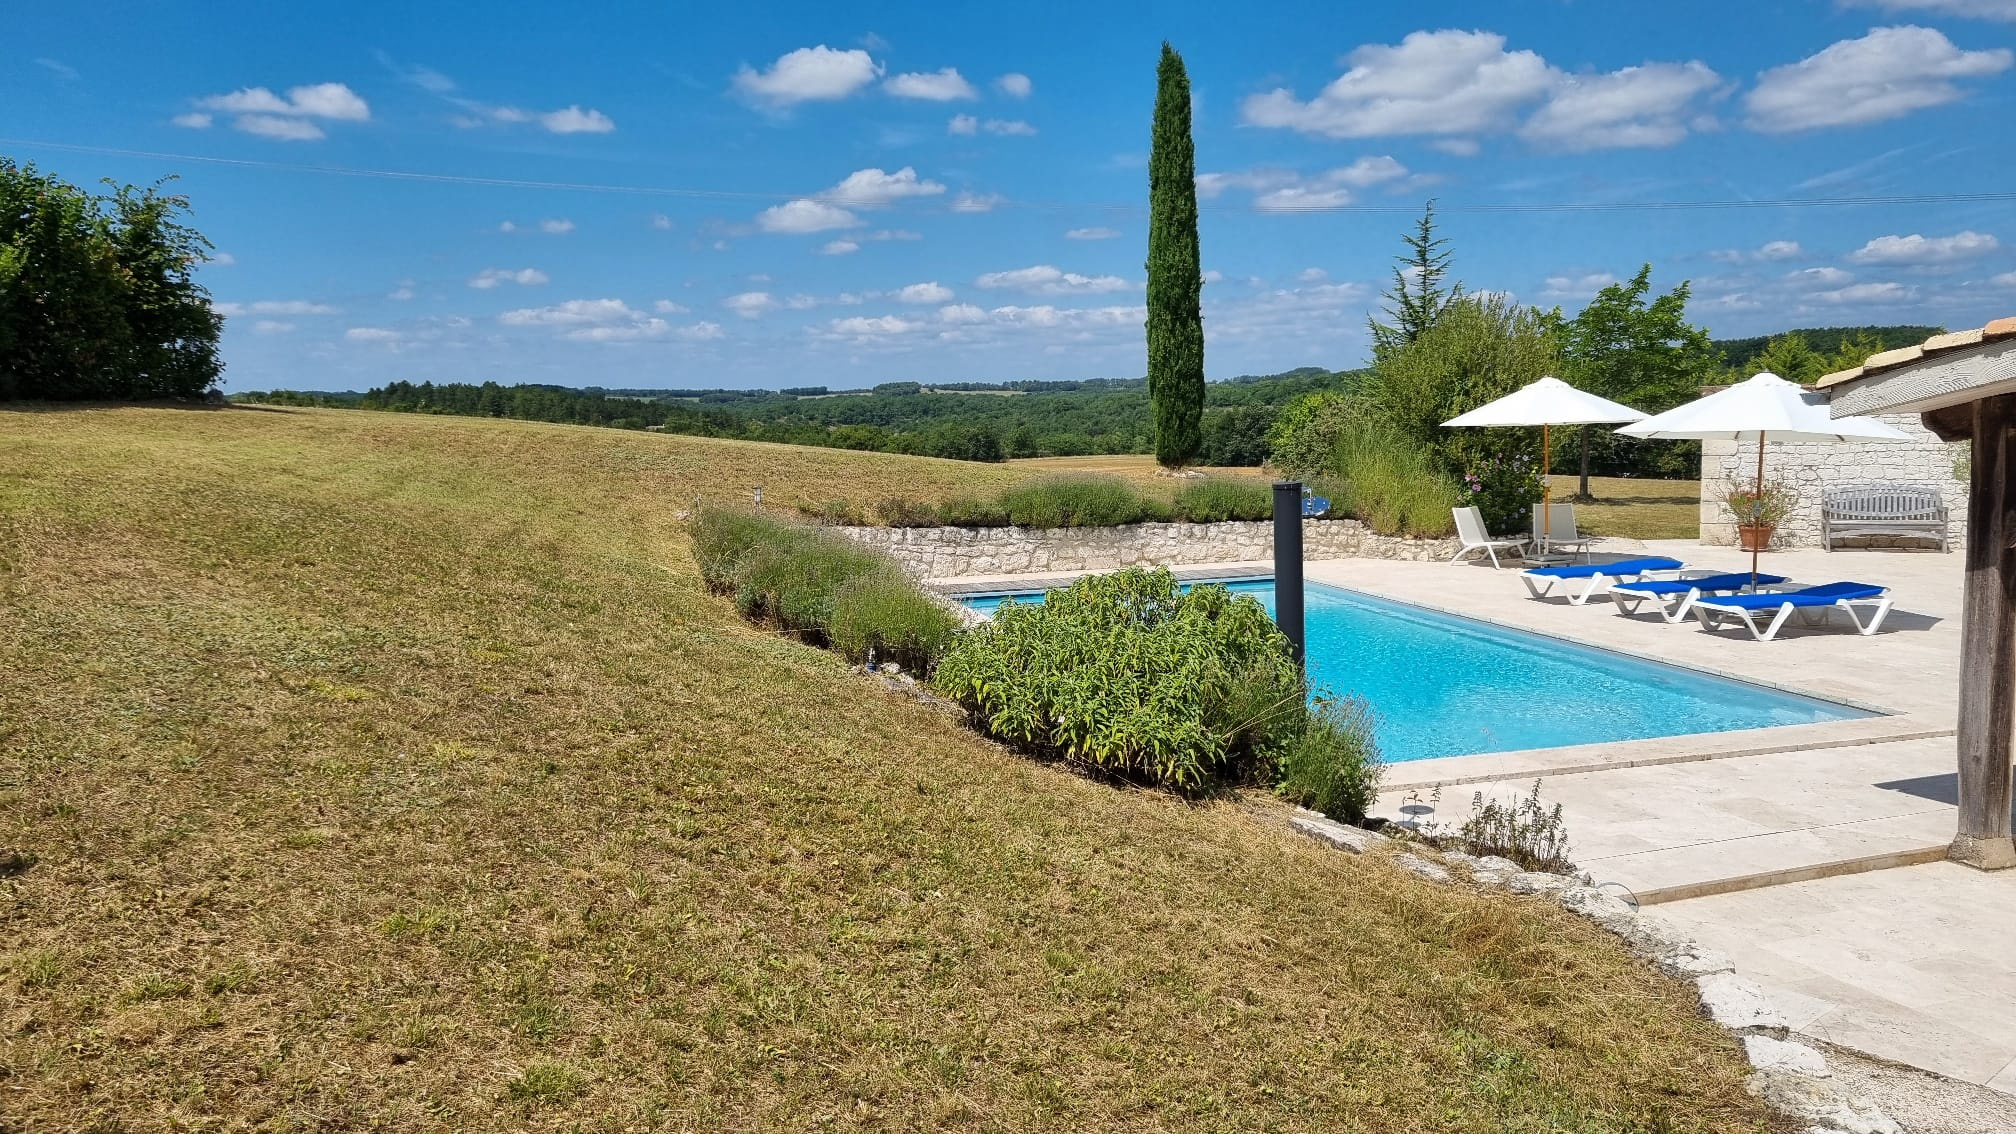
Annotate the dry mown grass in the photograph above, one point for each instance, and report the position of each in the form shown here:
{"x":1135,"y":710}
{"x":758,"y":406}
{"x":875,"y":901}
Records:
{"x":387,"y":772}
{"x":1638,"y":509}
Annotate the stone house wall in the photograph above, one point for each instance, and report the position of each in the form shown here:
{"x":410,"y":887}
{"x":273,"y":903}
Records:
{"x":940,"y":553}
{"x":1810,"y":468}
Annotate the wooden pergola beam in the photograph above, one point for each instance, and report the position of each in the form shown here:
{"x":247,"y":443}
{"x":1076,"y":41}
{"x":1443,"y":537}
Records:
{"x":1988,"y":632}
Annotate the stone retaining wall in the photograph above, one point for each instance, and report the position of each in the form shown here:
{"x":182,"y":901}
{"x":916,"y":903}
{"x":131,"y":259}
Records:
{"x":939,"y":553}
{"x":1811,"y":468}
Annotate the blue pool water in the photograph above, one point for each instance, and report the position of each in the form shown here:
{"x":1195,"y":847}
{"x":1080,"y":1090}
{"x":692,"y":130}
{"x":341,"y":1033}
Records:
{"x":1448,"y":686}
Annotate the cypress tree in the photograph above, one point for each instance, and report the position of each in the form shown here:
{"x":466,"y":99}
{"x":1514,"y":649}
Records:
{"x":1175,"y":276}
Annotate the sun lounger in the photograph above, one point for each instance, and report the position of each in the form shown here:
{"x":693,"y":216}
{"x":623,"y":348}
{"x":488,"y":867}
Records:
{"x":1661,"y":593}
{"x":1542,"y":580}
{"x":1813,"y":605}
{"x":1470,"y":530}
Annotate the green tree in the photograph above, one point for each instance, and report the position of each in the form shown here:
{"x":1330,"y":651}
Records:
{"x":1418,"y":297}
{"x":1644,"y":354}
{"x":1789,"y":357}
{"x":1175,"y":274}
{"x":1482,"y":347}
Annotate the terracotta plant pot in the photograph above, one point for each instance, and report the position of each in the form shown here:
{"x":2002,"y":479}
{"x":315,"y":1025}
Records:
{"x":1754,"y":537}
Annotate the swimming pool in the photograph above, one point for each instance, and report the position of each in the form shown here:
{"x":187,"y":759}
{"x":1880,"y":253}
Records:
{"x":1449,"y":686}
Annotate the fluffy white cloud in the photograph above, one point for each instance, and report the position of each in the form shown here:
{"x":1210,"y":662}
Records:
{"x":278,"y":127}
{"x":572,"y":313}
{"x":1781,"y":250}
{"x":870,"y":325}
{"x":1643,"y":106}
{"x":964,"y":125}
{"x":750,"y":304}
{"x":271,"y":327}
{"x":1014,"y":84}
{"x":402,"y":293}
{"x":556,"y":226}
{"x":1312,"y":275}
{"x":661,"y":222}
{"x":491,"y":277}
{"x":1868,"y":293}
{"x":839,"y":248}
{"x":967,"y":125}
{"x":194,"y":120}
{"x":944,"y":85}
{"x":1820,"y":277}
{"x":970,"y":202}
{"x":1286,"y":190}
{"x":874,"y":189}
{"x":667,"y":307}
{"x":372,"y":335}
{"x":699,"y":332}
{"x":932,"y":292}
{"x":1457,"y":147}
{"x":276,"y":307}
{"x":1440,"y":82}
{"x":1886,"y":74}
{"x":1966,"y":9}
{"x":608,"y":321}
{"x":289,"y":118}
{"x":808,"y":74}
{"x":1576,"y":287}
{"x":567,"y":120}
{"x":802,"y":216}
{"x":2006,"y":279}
{"x":1046,"y":279}
{"x":1097,"y":232}
{"x":959,"y":313}
{"x":575,"y":120}
{"x":1919,"y":249}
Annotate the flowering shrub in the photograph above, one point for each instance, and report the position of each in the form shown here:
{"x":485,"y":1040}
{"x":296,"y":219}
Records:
{"x":1503,"y":489}
{"x":1766,"y":507}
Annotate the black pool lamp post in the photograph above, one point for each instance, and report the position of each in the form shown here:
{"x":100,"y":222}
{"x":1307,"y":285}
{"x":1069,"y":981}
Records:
{"x":1288,"y":564}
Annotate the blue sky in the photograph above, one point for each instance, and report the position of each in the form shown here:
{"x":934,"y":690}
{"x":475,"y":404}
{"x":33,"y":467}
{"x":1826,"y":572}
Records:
{"x":803,"y":194}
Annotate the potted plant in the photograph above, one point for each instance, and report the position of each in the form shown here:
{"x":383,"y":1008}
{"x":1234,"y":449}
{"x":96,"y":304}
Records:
{"x":1759,"y":510}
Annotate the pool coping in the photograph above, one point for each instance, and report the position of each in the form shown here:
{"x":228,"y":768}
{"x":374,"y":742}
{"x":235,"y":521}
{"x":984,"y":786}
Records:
{"x":1483,"y":767}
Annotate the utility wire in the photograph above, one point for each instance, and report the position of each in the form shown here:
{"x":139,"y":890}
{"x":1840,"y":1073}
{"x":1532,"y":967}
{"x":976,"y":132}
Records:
{"x":1049,"y":206}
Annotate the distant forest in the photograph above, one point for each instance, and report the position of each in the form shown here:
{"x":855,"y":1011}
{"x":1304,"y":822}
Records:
{"x":973,"y":421}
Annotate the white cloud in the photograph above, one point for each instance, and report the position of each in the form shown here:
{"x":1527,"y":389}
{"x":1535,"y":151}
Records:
{"x":636,"y":331}
{"x":1918,"y":249}
{"x":558,"y":226}
{"x":271,"y":327}
{"x":276,"y":307}
{"x":971,"y":202}
{"x":957,"y":313}
{"x":859,"y":325}
{"x":932,"y":292}
{"x":1287,"y":190}
{"x":572,"y":313}
{"x":1312,"y":275}
{"x":934,"y":86}
{"x":699,"y":332}
{"x":1966,"y":9}
{"x":1645,"y":106}
{"x":1820,"y":277}
{"x":1457,"y":147}
{"x":508,"y":226}
{"x":575,"y":120}
{"x":893,"y":234}
{"x":874,"y":189}
{"x":802,"y":302}
{"x":839,"y":248}
{"x":1886,"y":74}
{"x":750,"y":304}
{"x":1780,"y":250}
{"x":808,"y":74}
{"x":260,"y":112}
{"x":1440,"y":82}
{"x":402,"y":293}
{"x":1576,"y":287}
{"x":607,"y":321}
{"x":1868,"y":293}
{"x":804,"y":216}
{"x":667,"y":307}
{"x":57,"y":68}
{"x":491,"y":277}
{"x":967,"y":125}
{"x":1213,"y":275}
{"x":1097,"y":232}
{"x":661,"y":222}
{"x":964,"y":125}
{"x":2006,"y":279}
{"x":372,"y":335}
{"x":1048,"y":280}
{"x":1014,"y":84}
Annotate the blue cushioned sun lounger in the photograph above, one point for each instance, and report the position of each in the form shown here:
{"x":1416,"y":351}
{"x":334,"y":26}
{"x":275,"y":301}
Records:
{"x":1541,"y":580}
{"x":1814,"y":604}
{"x":1661,"y":593}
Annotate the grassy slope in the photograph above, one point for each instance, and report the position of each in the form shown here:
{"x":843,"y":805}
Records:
{"x":393,"y":772}
{"x":1640,"y":509}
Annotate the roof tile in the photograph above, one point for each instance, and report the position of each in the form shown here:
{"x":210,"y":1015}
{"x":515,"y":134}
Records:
{"x":2000,"y":328}
{"x":1953,"y":341}
{"x":1892,"y":358}
{"x":1838,"y":376}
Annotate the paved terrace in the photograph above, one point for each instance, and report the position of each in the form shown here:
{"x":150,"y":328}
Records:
{"x":1811,"y":854}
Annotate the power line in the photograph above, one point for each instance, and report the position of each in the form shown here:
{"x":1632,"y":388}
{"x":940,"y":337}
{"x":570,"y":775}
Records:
{"x":1050,"y":206}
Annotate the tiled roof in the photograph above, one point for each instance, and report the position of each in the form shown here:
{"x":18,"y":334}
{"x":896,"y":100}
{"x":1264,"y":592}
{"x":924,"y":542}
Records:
{"x":1937,"y":344}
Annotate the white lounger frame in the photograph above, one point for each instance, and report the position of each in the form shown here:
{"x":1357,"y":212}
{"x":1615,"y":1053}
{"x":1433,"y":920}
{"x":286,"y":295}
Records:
{"x":1597,"y":582}
{"x":1629,"y":601}
{"x":1813,"y":616}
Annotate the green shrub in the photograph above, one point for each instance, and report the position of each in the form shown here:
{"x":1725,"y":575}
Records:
{"x":1503,"y":489}
{"x":722,"y":539}
{"x":1078,"y":502}
{"x":972,"y":512}
{"x":832,"y":512}
{"x":1303,"y":438}
{"x":1125,"y":674}
{"x":1334,"y":767}
{"x":885,"y":618}
{"x":1390,"y":483}
{"x":1225,"y":498}
{"x":906,"y":512}
{"x":789,"y":579}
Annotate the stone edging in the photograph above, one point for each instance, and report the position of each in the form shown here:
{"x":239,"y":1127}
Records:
{"x":1789,"y":1076}
{"x":949,"y":552}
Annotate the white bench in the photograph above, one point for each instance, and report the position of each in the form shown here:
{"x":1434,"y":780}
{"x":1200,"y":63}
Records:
{"x":1882,"y":509}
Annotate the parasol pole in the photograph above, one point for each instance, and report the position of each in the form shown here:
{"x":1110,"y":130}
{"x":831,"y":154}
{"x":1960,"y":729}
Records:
{"x":1753,"y":518}
{"x":1546,"y":494}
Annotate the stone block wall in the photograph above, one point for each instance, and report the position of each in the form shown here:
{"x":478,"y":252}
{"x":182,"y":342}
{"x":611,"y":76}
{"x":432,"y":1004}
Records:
{"x":1811,"y":468}
{"x":941,"y":553}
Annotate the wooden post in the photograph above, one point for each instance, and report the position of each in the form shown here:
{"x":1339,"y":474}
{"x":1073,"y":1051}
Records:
{"x":1288,"y":565}
{"x":1988,"y":644}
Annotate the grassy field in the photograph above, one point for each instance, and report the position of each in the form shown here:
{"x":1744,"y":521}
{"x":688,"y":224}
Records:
{"x":371,"y":771}
{"x":1639,"y":509}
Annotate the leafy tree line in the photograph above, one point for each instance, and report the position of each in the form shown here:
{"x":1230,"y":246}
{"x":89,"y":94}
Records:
{"x":96,"y":297}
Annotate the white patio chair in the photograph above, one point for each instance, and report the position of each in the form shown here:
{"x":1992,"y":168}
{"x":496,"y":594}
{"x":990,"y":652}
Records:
{"x":1557,"y":531}
{"x":1475,"y":537}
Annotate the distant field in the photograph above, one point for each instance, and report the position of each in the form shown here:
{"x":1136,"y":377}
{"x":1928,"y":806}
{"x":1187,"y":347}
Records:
{"x":1638,"y":509}
{"x":394,"y":772}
